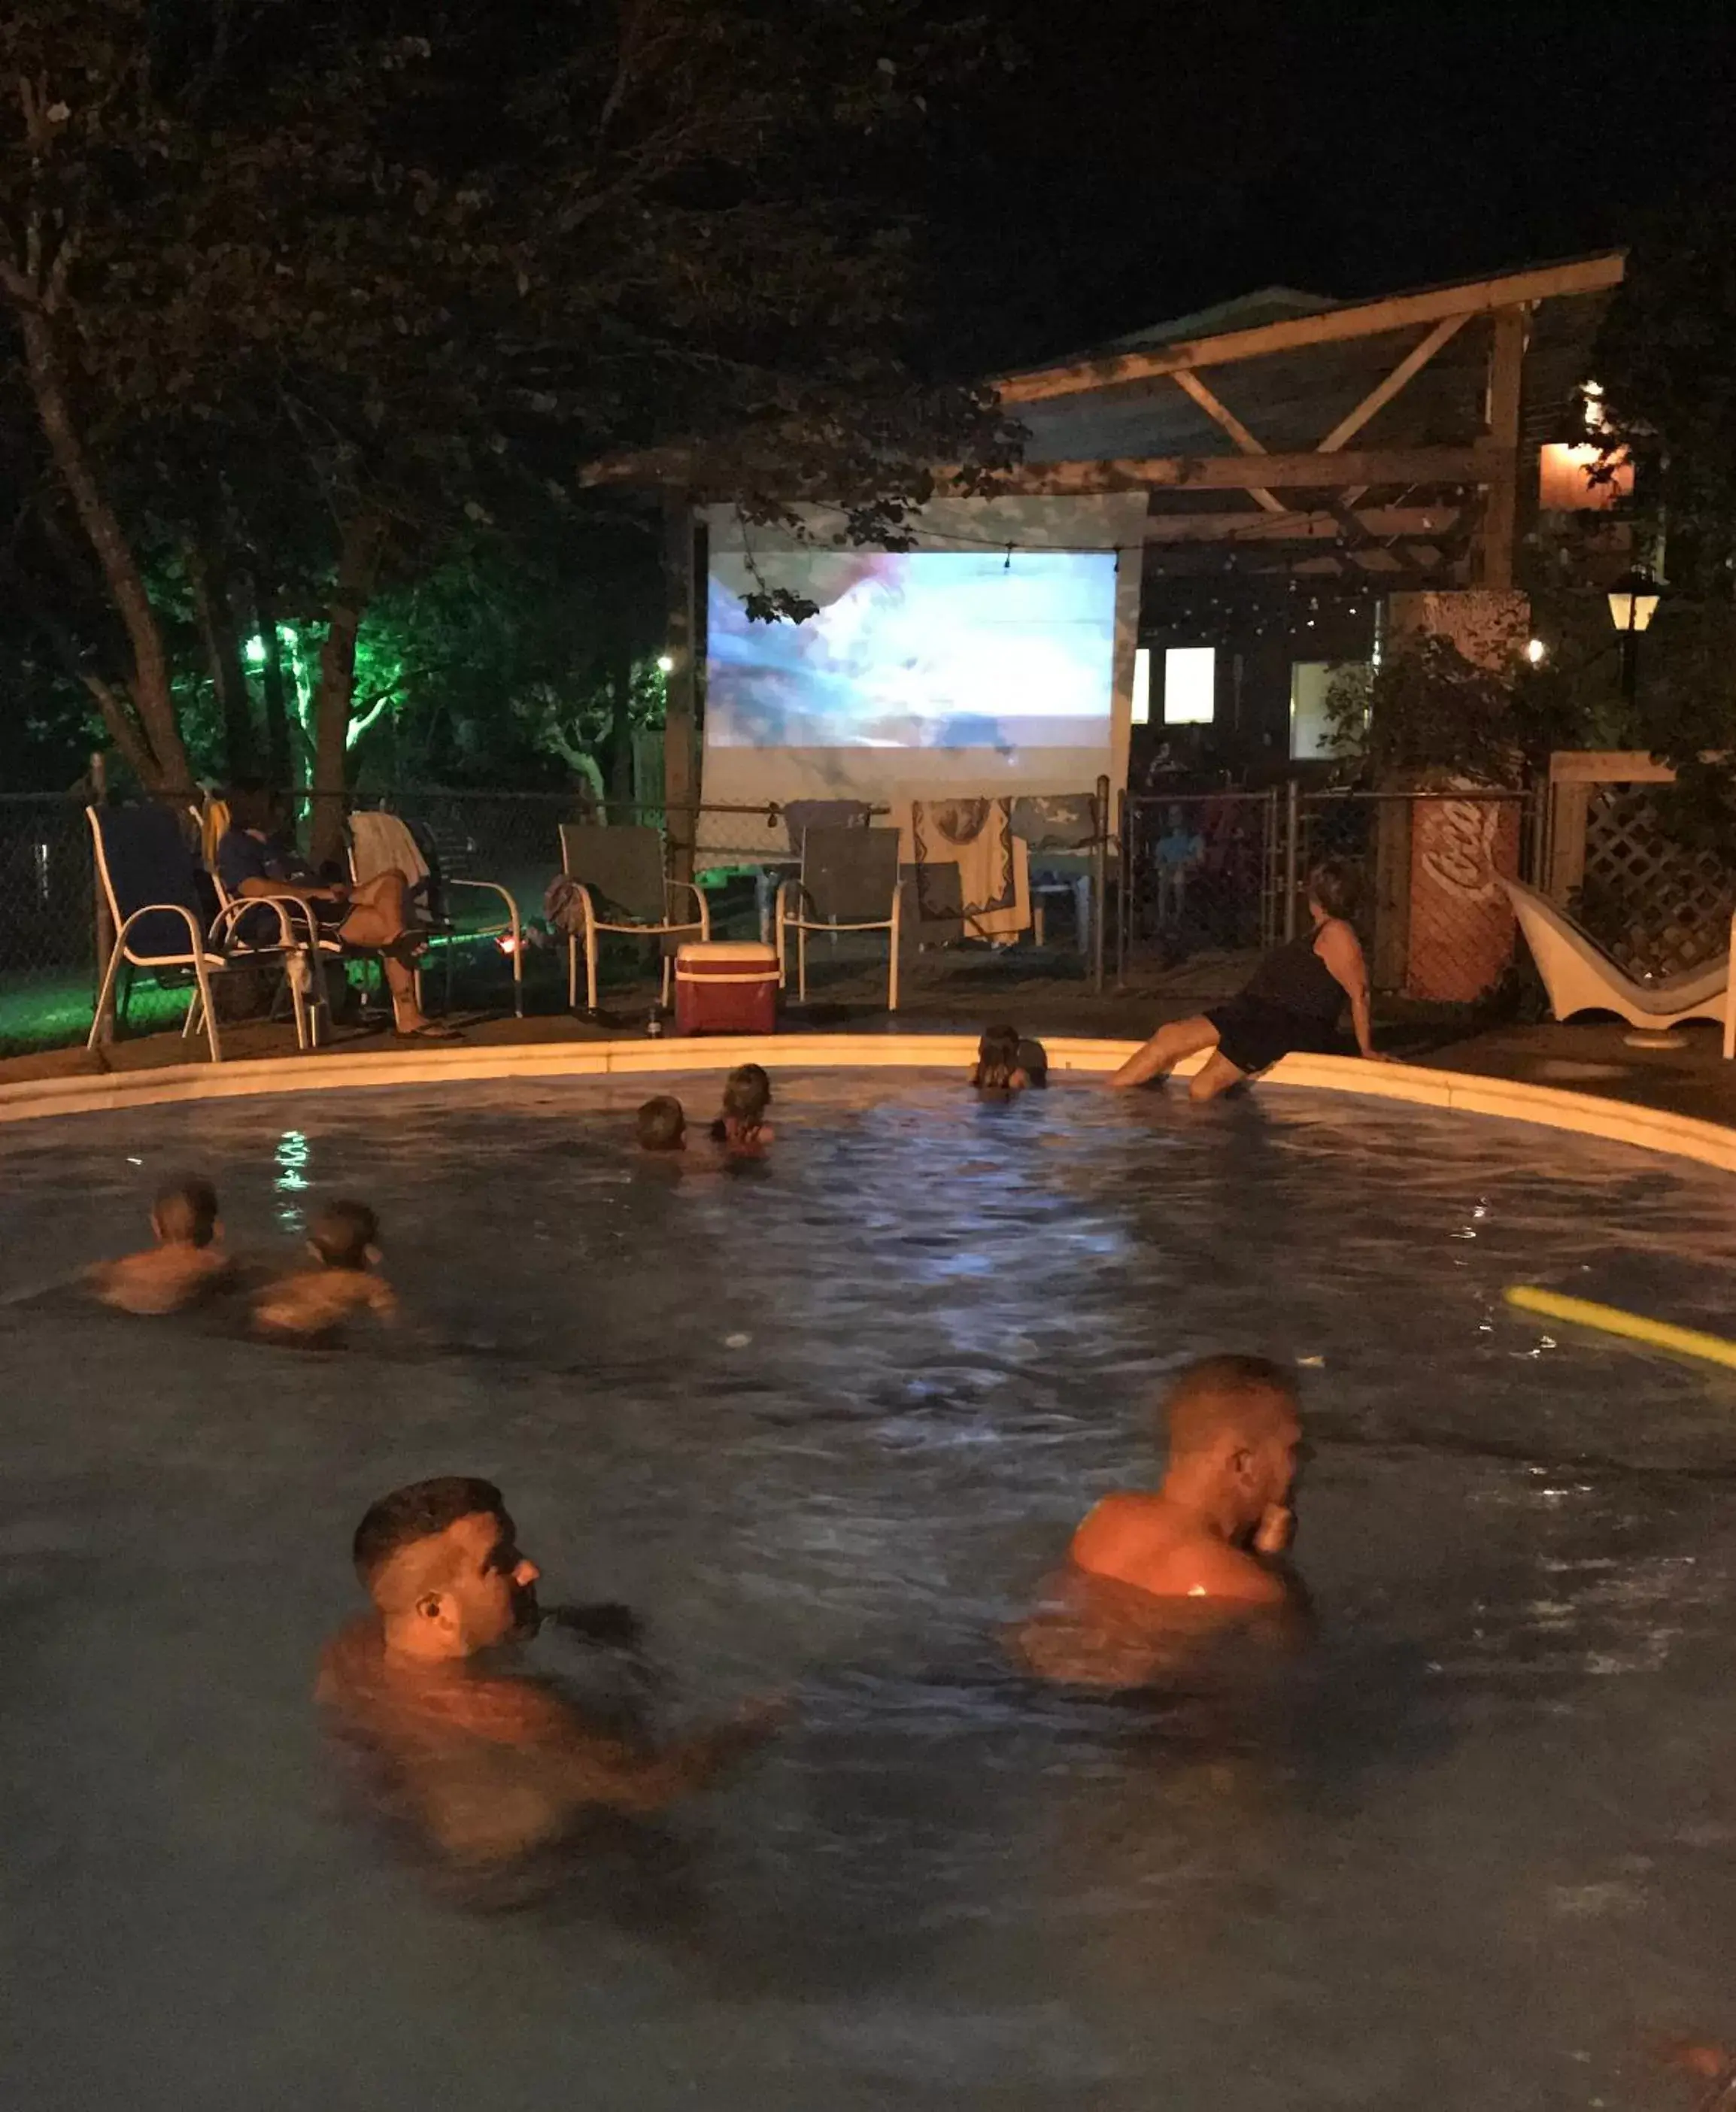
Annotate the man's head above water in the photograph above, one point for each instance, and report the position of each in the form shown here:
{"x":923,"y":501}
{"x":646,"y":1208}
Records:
{"x":440,"y":1561}
{"x":1233,"y":1425}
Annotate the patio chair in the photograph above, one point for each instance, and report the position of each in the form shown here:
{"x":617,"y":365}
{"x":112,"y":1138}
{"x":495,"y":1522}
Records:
{"x":1060,"y":833}
{"x":1579,"y":975}
{"x":316,"y":946}
{"x":849,"y":882}
{"x":622,"y":885}
{"x":379,"y":842}
{"x":150,"y":880}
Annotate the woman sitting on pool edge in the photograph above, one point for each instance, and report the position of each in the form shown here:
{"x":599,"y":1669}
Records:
{"x":1293,"y":1001}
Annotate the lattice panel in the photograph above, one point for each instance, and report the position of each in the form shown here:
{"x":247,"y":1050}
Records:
{"x":1658,"y":908}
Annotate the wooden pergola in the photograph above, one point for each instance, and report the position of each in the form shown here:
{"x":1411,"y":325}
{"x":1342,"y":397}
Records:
{"x":1385,"y":441}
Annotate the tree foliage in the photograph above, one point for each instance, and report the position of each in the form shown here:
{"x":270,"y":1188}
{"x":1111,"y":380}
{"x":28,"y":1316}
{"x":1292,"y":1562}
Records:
{"x":300,"y":302}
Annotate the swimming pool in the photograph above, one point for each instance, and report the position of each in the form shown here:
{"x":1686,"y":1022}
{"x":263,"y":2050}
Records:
{"x":825,"y":1423}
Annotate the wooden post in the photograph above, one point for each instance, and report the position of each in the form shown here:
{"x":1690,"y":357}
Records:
{"x":104,"y":924}
{"x":1100,"y":861}
{"x":681,"y":779}
{"x":1501,"y":501}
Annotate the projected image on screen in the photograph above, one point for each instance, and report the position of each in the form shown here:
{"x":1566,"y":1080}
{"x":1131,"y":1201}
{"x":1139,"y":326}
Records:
{"x":925,"y":648}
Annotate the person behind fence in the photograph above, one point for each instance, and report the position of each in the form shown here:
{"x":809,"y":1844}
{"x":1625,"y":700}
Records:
{"x":1152,"y":1574}
{"x":999,"y":1066}
{"x":1293,"y":1000}
{"x":255,"y":858}
{"x":742,"y":1126}
{"x":1178,"y":851}
{"x":309,"y":1305}
{"x":661,"y":1125}
{"x":187,"y":1264}
{"x":488,"y":1761}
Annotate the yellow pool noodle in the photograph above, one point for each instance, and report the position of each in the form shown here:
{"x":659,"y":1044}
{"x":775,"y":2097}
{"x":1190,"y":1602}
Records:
{"x":1611,"y":1320}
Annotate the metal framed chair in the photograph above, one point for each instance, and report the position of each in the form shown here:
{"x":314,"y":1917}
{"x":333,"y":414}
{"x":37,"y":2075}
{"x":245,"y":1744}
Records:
{"x":316,"y":947}
{"x":623,"y":883}
{"x":379,"y":842}
{"x":150,"y":880}
{"x":848,"y":883}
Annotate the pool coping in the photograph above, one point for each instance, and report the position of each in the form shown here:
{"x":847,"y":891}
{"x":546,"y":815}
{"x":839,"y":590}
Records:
{"x":1585,"y":1114}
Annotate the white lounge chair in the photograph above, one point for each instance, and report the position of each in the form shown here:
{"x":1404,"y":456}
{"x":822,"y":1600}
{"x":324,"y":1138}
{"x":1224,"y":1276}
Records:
{"x":1579,"y":976}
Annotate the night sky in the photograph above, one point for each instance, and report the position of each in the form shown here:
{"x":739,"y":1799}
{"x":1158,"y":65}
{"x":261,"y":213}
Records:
{"x":1148,"y":159}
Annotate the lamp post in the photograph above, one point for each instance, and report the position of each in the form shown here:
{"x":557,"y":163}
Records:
{"x":1633,"y":600}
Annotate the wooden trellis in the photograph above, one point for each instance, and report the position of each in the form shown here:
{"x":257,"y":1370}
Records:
{"x":1655,"y":906}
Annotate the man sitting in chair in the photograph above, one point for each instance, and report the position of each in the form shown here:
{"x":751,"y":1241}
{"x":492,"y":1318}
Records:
{"x":255,"y":857}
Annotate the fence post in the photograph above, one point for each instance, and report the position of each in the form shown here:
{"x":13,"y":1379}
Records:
{"x":1099,"y":870}
{"x":1391,"y":892}
{"x":1123,"y":883}
{"x":103,"y":924}
{"x":1292,"y":824}
{"x":680,"y":793}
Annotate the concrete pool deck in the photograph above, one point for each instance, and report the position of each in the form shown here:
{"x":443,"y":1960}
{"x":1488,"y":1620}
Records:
{"x":1680,"y":1100}
{"x":1591,"y":1056}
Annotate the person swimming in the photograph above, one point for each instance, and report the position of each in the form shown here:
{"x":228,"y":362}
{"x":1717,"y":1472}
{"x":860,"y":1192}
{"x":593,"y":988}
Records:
{"x":491,"y":1763}
{"x":742,"y":1126}
{"x":187,"y":1264}
{"x":309,"y":1304}
{"x":1152,"y":1573}
{"x":661,"y":1125}
{"x":999,"y":1068}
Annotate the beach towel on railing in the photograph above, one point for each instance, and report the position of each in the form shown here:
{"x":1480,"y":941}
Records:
{"x":971,"y":870}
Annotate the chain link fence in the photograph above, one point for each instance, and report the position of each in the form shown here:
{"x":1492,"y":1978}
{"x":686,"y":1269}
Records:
{"x":1226,"y":872}
{"x":49,"y":971}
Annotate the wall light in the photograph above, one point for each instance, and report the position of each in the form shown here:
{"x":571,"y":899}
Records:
{"x":1536,"y":652}
{"x":666,"y":663}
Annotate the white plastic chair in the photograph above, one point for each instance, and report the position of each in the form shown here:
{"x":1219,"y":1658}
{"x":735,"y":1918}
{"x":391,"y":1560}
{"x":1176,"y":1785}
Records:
{"x":1579,"y":976}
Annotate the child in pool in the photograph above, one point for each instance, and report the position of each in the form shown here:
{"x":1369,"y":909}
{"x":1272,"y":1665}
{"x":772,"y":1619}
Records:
{"x":187,"y":1264}
{"x":742,"y":1126}
{"x":1001,"y":1066}
{"x":308,"y":1304}
{"x":661,"y":1125}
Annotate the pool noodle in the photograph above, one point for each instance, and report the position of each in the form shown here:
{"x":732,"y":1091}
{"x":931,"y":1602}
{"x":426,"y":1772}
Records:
{"x":1611,"y":1320}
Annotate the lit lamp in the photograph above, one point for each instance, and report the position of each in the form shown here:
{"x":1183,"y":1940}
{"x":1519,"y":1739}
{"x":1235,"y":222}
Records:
{"x":1633,"y":601}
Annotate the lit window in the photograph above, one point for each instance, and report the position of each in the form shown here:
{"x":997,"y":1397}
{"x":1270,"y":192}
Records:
{"x":1311,"y":686}
{"x":1142,"y":686}
{"x":1564,"y":486}
{"x":1190,"y":684}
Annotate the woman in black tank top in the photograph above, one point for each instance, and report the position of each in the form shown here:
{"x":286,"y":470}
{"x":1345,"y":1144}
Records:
{"x":1293,"y":1000}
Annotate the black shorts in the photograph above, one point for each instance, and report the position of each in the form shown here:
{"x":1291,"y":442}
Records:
{"x":1252,"y":1035}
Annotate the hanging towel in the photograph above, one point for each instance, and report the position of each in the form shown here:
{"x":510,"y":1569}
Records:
{"x":970,"y":867}
{"x":383,"y":843}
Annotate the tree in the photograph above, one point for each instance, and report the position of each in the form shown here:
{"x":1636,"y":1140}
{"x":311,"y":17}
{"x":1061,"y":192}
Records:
{"x":1666,"y":365}
{"x":290,"y":342}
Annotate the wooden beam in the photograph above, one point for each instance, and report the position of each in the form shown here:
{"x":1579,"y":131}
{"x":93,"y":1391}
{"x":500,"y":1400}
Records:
{"x":1588,"y":274}
{"x":1377,"y":399}
{"x":1501,"y":502}
{"x":1465,"y":465}
{"x":1192,"y":386}
{"x":1317,"y":526}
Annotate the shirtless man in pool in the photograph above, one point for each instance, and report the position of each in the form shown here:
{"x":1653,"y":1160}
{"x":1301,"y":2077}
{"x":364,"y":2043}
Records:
{"x":1153,"y":1573}
{"x":490,"y":1761}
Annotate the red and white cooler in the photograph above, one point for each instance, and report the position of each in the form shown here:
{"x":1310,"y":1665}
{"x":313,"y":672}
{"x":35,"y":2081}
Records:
{"x":726,"y":986}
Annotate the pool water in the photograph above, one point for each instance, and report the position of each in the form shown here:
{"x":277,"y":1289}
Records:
{"x":825,"y":1422}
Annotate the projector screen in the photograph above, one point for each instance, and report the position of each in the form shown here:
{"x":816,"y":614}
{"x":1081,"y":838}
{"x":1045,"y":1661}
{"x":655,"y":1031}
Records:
{"x":917,"y":650}
{"x":993,"y":658}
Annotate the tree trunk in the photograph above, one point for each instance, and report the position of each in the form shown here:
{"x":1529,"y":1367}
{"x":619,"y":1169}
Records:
{"x":154,"y":743}
{"x":272,"y":689}
{"x":215,"y":615}
{"x":358,"y":558}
